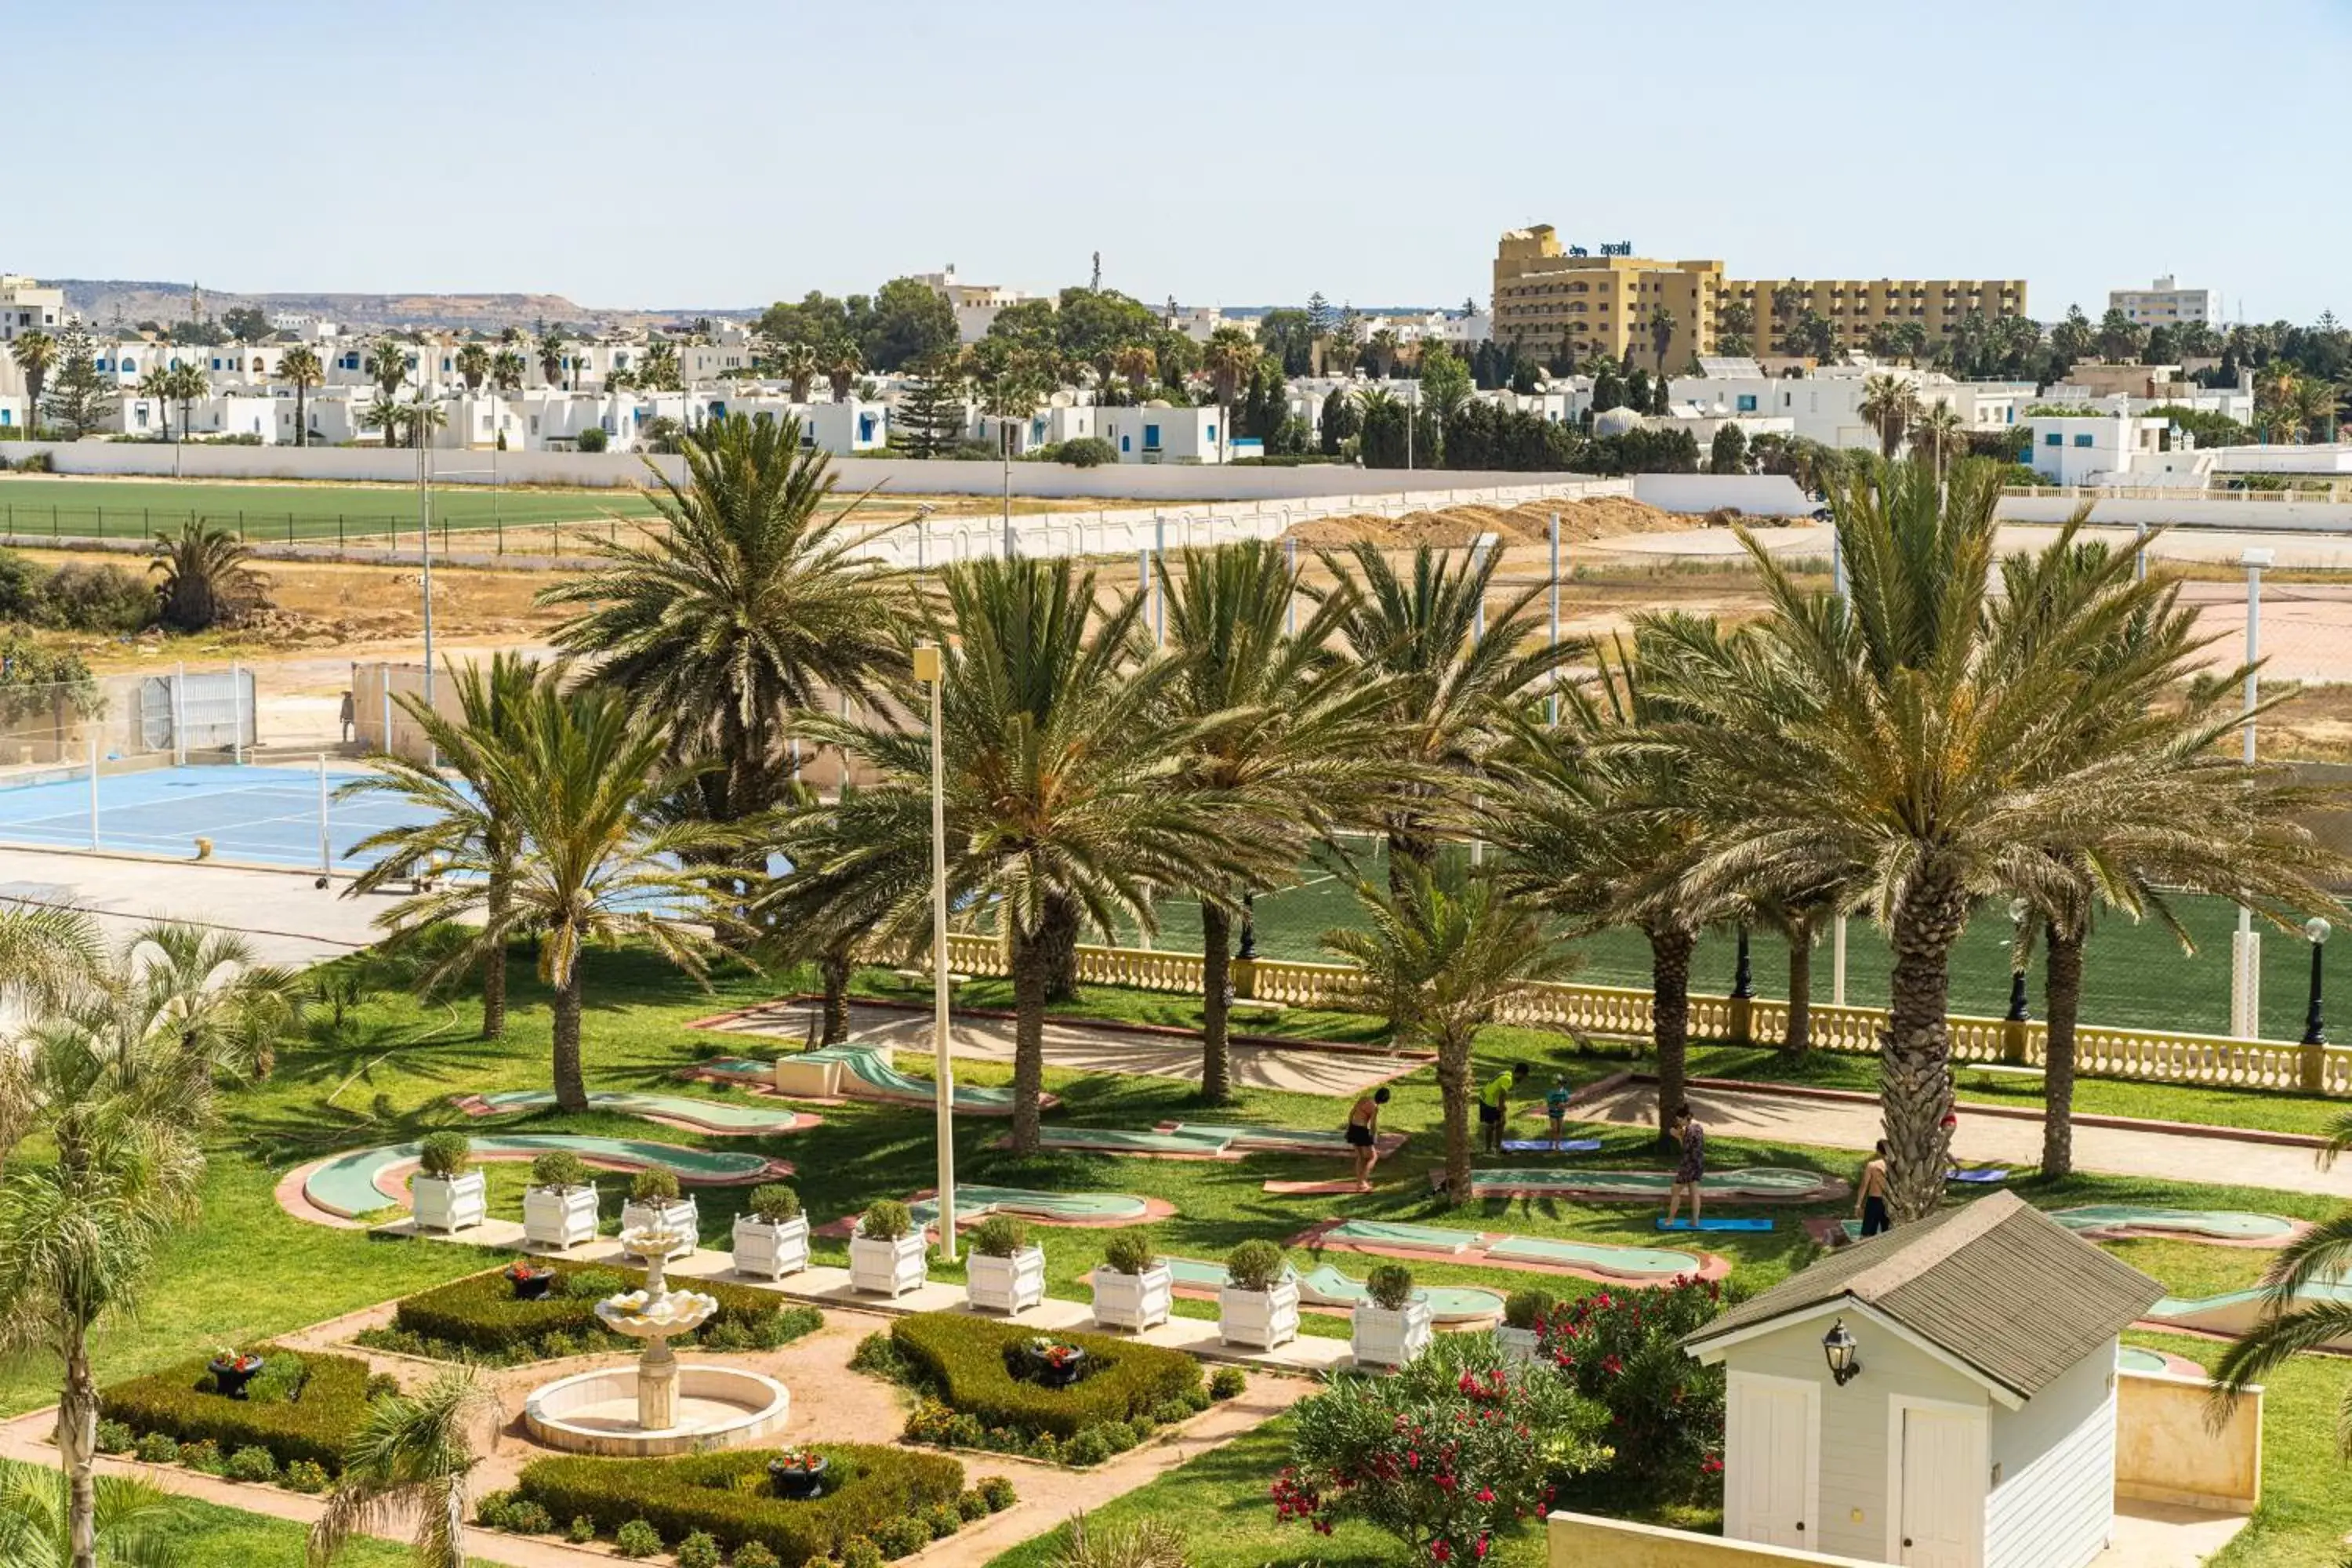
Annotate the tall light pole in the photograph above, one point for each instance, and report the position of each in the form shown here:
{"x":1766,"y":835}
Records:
{"x":2246,"y":947}
{"x":2315,"y":1027}
{"x":929,"y":669}
{"x":425,"y":548}
{"x":1837,"y":934}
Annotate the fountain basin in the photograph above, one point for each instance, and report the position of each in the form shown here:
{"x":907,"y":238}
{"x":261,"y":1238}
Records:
{"x":717,"y":1406}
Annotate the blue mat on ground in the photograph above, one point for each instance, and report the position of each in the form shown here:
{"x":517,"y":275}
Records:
{"x":1976,"y":1178}
{"x":1546,"y":1146}
{"x":1715,"y":1225}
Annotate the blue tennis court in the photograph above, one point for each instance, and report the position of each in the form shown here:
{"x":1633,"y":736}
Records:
{"x":267,"y":813}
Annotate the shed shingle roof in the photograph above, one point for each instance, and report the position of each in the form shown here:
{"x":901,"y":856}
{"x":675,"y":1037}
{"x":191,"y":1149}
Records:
{"x":1995,"y":1283}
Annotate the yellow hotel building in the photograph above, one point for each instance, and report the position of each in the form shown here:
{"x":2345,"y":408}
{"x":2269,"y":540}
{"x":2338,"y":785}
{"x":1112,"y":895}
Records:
{"x":1547,"y":295}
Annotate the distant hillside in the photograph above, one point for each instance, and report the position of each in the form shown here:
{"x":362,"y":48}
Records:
{"x":108,"y":300}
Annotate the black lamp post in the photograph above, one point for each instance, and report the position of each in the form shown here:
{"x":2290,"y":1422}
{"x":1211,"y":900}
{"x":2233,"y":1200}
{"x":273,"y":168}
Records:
{"x":1743,"y":980}
{"x":2314,"y":1028}
{"x":2017,"y":913}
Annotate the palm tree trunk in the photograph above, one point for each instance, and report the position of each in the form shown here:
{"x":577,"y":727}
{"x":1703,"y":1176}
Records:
{"x":1058,"y":936}
{"x":1800,"y":1038}
{"x":2062,"y":1001}
{"x":832,"y":963}
{"x":1216,"y":971}
{"x":1454,"y":1086}
{"x":1670,"y":956}
{"x":571,"y":1088}
{"x":77,"y":1447}
{"x":494,"y":961}
{"x":1032,"y":972}
{"x":1916,"y":1076}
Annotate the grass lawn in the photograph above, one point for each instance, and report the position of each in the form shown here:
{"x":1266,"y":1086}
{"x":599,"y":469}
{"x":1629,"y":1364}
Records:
{"x":37,"y":506}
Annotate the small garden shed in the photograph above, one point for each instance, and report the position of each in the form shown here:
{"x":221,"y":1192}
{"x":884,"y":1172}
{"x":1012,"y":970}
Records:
{"x":1942,"y":1396}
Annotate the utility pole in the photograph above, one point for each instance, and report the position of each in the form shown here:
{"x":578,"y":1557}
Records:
{"x":2246,"y":947}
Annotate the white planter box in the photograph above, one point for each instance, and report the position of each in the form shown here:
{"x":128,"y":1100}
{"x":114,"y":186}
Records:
{"x":1261,"y":1318}
{"x":677,"y":1215}
{"x":889,"y":1267}
{"x":1382,"y":1338}
{"x":1133,"y":1301}
{"x":771,"y":1251}
{"x":449,"y":1203}
{"x":1518,"y":1344}
{"x":1007,"y":1284}
{"x":558,"y":1217}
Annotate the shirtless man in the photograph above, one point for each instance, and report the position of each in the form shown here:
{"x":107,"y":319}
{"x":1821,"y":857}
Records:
{"x":1870,"y":1195}
{"x":1364,"y":1134}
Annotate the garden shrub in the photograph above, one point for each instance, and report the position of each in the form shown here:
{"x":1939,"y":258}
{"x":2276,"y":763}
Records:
{"x":997,"y":1493}
{"x":1253,"y":1266}
{"x":1371,"y":1449}
{"x":857,"y":1552}
{"x":751,"y":1554}
{"x":654,"y":1186}
{"x":972,"y":1506}
{"x":878,"y":1354}
{"x":559,"y":1168}
{"x":968,"y":1364}
{"x":775,"y":1203}
{"x":583,"y":1530}
{"x":1390,"y":1286}
{"x":444,"y":1154}
{"x":306,"y":1477}
{"x":901,"y":1537}
{"x":1086,"y":452}
{"x":1128,"y":1254}
{"x":114,"y":1437}
{"x":1525,"y":1308}
{"x":158,"y":1449}
{"x":725,"y":1496}
{"x":1000,"y":1235}
{"x":1227,"y":1382}
{"x":311,"y":1421}
{"x":636,"y":1539}
{"x":889,"y":1220}
{"x":527,"y":1518}
{"x":698,"y":1550}
{"x":943,"y":1519}
{"x":202,"y":1456}
{"x":100,"y":598}
{"x":252,"y":1464}
{"x":480,"y":1319}
{"x":1624,"y":1349}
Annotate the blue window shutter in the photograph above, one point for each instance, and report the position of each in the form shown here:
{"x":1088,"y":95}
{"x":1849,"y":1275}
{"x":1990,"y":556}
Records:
{"x":2053,"y":439}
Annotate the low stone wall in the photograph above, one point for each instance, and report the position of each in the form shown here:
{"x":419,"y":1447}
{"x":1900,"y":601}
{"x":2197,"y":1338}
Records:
{"x":1580,"y":1540}
{"x":2167,"y":1452}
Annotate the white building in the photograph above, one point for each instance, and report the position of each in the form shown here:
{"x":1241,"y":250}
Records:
{"x":975,"y":304}
{"x":2106,"y":449}
{"x":27,"y":307}
{"x":1162,"y":433}
{"x":1826,"y":407}
{"x":12,"y":412}
{"x":2163,"y":303}
{"x":248,"y":415}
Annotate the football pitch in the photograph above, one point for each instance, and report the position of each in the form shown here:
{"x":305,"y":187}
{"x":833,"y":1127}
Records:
{"x":34,"y":507}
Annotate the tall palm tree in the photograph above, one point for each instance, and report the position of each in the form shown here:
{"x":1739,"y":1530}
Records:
{"x":1063,"y":786}
{"x":551,"y":348}
{"x":1662,"y":324}
{"x":421,"y":415}
{"x":133,"y":1524}
{"x":1140,"y":366}
{"x":1440,"y":957}
{"x":387,"y":365}
{"x":185,"y":383}
{"x":1383,"y":347}
{"x":1938,"y":434}
{"x":508,"y":368}
{"x":748,"y":610}
{"x":1888,"y":406}
{"x":299,"y":368}
{"x":1450,"y":684}
{"x":157,"y":381}
{"x":1280,"y":723}
{"x":386,"y":414}
{"x":474,"y":366}
{"x":1909,"y":745}
{"x":798,"y":364}
{"x":36,"y":353}
{"x":604,"y":859}
{"x":658,"y":371}
{"x":1229,"y":357}
{"x":411,"y":1457}
{"x":461,"y":816}
{"x":842,"y":365}
{"x":207,"y":575}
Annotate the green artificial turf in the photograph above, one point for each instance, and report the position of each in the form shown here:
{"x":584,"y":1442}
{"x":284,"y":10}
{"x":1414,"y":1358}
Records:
{"x":34,"y":507}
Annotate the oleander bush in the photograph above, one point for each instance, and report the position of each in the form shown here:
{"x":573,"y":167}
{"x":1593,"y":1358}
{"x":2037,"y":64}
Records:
{"x":479,"y":1318}
{"x":867,"y":1489}
{"x":969,"y":1367}
{"x":310,"y":1419}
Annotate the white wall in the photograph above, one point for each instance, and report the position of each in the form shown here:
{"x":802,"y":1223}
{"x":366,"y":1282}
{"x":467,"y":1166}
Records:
{"x":1758,"y":495}
{"x":2055,"y":1505}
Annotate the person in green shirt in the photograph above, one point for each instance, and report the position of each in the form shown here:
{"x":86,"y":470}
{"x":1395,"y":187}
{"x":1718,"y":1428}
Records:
{"x":1494,"y":1104}
{"x":1556,"y":1107}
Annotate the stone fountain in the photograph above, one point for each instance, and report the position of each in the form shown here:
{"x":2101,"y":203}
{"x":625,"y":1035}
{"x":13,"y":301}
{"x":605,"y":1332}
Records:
{"x":659,"y":1407}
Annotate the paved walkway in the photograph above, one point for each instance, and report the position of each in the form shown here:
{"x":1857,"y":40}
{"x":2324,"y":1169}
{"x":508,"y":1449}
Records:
{"x":1991,"y":1140}
{"x":286,"y":918}
{"x":1301,"y":1069}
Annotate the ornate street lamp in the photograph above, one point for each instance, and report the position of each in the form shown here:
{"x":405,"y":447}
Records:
{"x":1844,"y":1356}
{"x":2314,"y":1028}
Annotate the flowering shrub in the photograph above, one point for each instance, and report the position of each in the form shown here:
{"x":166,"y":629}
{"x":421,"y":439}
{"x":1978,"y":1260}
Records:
{"x":1444,"y":1454}
{"x":1622,"y":1348}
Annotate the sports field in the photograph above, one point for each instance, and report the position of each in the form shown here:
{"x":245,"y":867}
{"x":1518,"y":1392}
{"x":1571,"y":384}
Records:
{"x":2134,"y":976}
{"x":35,"y":507}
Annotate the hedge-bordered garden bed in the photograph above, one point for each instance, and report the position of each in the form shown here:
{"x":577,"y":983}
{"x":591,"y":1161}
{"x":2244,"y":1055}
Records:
{"x":880,"y":1497}
{"x":305,"y":1408}
{"x":480,"y":1319}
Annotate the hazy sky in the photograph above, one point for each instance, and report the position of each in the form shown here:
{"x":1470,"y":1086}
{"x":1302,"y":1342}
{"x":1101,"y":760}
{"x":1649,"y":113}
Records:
{"x":726,"y":153}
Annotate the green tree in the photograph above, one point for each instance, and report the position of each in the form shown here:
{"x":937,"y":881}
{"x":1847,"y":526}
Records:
{"x":133,"y":1525}
{"x":749,"y":609}
{"x":387,"y":367}
{"x":411,"y":1460}
{"x":2120,"y":340}
{"x":799,"y":364}
{"x":910,"y":322}
{"x":1888,"y":406}
{"x":474,"y":364}
{"x":1444,"y":380}
{"x":1283,"y":335}
{"x":207,"y":577}
{"x":299,"y":368}
{"x":552,"y":349}
{"x":659,"y":370}
{"x":1229,"y":359}
{"x":1735,"y":329}
{"x":184,"y":384}
{"x":1341,"y":422}
{"x":157,"y":383}
{"x":508,"y":369}
{"x":245,"y":323}
{"x":931,"y":416}
{"x":1939,"y":436}
{"x":1728,"y":454}
{"x":1661,"y":324}
{"x":35,"y":354}
{"x":81,"y":398}
{"x":2073,"y":339}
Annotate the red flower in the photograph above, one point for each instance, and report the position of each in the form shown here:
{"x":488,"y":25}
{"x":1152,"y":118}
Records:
{"x":1482,"y":1546}
{"x":1441,"y":1550}
{"x":1485,"y":1494}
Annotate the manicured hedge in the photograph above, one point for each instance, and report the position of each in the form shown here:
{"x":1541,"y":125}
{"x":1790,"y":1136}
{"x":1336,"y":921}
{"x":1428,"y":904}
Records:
{"x":480,"y":1315}
{"x":314,"y":1424}
{"x":726,"y":1496}
{"x":965,"y":1360}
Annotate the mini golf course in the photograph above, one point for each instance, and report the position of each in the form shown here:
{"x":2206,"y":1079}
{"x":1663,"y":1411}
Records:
{"x":2235,"y":1313}
{"x":2134,"y":1358}
{"x":866,"y":1074}
{"x":366,"y":1180}
{"x":1759,"y":1183}
{"x":1603,"y":1261}
{"x":1326,"y":1289}
{"x":1202,"y":1140}
{"x":717,"y":1117}
{"x":975,"y":1202}
{"x":2221,"y":1227}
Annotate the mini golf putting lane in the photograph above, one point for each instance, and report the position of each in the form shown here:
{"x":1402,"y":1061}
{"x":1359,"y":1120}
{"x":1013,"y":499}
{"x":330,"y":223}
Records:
{"x":1333,"y":1291}
{"x":977,"y":1203}
{"x":2235,"y":1226}
{"x":356,"y":1183}
{"x":1762,"y":1183}
{"x":1125,"y":1141}
{"x":1598,"y":1260}
{"x":875,"y":1079}
{"x":709,"y":1115}
{"x":1625,"y":1262}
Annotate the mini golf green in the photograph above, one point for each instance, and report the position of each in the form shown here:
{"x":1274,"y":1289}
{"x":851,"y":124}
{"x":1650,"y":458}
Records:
{"x":354,"y":1183}
{"x":1204,"y":1141}
{"x":1124,"y":1141}
{"x":2236,"y":1312}
{"x":1631,"y":1262}
{"x":1436,"y":1238}
{"x":1759,"y":1182}
{"x":2187,"y":1225}
{"x":710,"y":1115}
{"x":877,"y":1080}
{"x":1594,"y":1260}
{"x":977,"y":1203}
{"x":1328,"y":1286}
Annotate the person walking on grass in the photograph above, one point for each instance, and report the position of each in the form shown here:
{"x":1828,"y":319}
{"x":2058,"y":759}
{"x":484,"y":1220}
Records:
{"x":1692,"y":1170}
{"x":1495,"y":1104}
{"x":1556,"y":1107}
{"x":1364,"y":1134}
{"x":1870,"y":1195}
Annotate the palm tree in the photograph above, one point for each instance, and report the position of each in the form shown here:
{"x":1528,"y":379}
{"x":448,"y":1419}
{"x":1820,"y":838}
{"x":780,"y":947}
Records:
{"x":748,"y":609}
{"x":208,"y":986}
{"x":1229,"y":357}
{"x":1787,"y":300}
{"x":36,"y":353}
{"x":460,"y":814}
{"x":2310,"y":403}
{"x":1939,"y":434}
{"x":299,"y":368}
{"x":1439,"y":958}
{"x":133,"y":1525}
{"x":411,"y":1457}
{"x":798,"y":364}
{"x":1280,"y":723}
{"x":1888,"y":406}
{"x":842,"y":365}
{"x":157,"y":381}
{"x":1911,"y":746}
{"x":1662,"y":324}
{"x":602,"y":860}
{"x":184,"y":384}
{"x":1450,"y":683}
{"x":549,"y":347}
{"x":1063,"y":787}
{"x":386,"y":414}
{"x":421,"y":415}
{"x":1384,"y":347}
{"x":2289,"y":1324}
{"x":659,"y":370}
{"x":474,"y":366}
{"x":205,"y":578}
{"x":387,"y":367}
{"x":508,"y":368}
{"x":1140,"y":366}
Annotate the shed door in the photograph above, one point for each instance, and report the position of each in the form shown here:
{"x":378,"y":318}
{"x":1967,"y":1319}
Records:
{"x":1942,"y":1522}
{"x":1771,"y":1460}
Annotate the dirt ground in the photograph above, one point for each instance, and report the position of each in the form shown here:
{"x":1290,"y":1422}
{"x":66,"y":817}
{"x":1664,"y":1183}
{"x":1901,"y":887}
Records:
{"x":1528,"y":523}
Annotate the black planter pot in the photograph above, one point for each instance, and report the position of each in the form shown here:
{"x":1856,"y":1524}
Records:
{"x":794,"y":1483}
{"x":230,"y":1380}
{"x":533,"y":1287}
{"x":1061,"y":1376}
